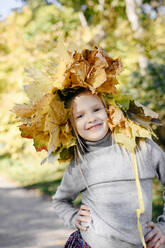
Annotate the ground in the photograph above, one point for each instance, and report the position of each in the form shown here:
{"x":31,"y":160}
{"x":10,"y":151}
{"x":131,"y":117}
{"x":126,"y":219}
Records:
{"x":28,"y":220}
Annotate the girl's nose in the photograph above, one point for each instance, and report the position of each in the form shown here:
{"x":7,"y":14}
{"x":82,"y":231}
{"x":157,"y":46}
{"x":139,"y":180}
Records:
{"x":91,"y":118}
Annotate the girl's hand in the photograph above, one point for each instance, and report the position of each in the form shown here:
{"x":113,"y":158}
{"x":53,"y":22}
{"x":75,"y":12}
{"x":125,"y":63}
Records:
{"x":84,"y":211}
{"x":155,"y":238}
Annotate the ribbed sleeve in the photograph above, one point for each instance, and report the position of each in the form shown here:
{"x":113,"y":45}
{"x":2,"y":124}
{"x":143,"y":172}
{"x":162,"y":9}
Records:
{"x":158,"y":161}
{"x":71,"y":185}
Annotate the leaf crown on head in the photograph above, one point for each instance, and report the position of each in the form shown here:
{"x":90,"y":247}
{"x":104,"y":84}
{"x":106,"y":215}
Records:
{"x":45,"y":119}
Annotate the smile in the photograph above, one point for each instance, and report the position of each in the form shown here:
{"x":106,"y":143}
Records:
{"x":95,"y":126}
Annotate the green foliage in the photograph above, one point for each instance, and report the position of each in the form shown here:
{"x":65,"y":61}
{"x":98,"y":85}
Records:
{"x":157,"y":199}
{"x":151,"y":83}
{"x":95,"y":11}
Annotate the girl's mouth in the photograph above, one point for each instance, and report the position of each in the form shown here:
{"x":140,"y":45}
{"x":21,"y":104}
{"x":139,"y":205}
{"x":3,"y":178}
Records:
{"x":95,"y":126}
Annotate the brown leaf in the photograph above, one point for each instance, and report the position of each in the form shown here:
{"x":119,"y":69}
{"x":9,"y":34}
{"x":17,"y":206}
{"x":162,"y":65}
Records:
{"x":42,"y":105}
{"x":55,"y":138}
{"x":109,"y":86}
{"x":59,"y":113}
{"x":97,"y":77}
{"x":80,"y":69}
{"x":23,"y":110}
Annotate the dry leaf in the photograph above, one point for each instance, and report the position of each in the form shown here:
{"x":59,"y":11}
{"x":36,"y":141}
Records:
{"x":109,"y":86}
{"x":97,"y":78}
{"x":23,"y":110}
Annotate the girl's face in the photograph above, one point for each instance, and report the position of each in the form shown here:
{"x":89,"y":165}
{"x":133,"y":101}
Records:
{"x":89,"y":116}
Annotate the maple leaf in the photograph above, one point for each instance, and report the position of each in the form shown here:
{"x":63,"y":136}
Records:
{"x":122,"y":139}
{"x":56,"y":124}
{"x":59,"y":112}
{"x":67,"y":138}
{"x":23,"y":110}
{"x":64,"y":60}
{"x":80,"y":69}
{"x":128,"y":140}
{"x":42,"y":106}
{"x":40,"y":138}
{"x":41,"y":84}
{"x":115,"y":117}
{"x":26,"y":131}
{"x":41,"y":141}
{"x":109,"y":86}
{"x":97,"y":77}
{"x":142,"y":115}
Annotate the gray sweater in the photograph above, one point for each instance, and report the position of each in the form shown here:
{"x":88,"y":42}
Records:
{"x":111,"y":194}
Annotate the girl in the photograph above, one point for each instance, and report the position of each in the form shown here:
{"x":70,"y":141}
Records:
{"x":75,"y":109}
{"x":105,"y":178}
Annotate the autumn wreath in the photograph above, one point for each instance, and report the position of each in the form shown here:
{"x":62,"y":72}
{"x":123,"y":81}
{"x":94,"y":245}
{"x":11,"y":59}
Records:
{"x":45,"y":118}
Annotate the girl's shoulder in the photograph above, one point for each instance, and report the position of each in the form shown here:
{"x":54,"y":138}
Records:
{"x":150,"y":148}
{"x":73,"y":167}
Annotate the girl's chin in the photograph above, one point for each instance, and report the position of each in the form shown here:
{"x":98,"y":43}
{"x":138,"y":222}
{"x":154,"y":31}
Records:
{"x":95,"y":136}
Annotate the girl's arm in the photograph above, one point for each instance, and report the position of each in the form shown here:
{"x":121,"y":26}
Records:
{"x":68,"y":190}
{"x":158,"y":160}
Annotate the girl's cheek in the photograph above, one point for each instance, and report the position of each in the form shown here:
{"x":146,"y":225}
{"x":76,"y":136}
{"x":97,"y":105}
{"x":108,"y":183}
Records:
{"x":79,"y":125}
{"x":103,"y":116}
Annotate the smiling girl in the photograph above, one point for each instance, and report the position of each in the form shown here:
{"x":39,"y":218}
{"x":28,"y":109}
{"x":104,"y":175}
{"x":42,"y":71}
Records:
{"x":107,"y":215}
{"x":76,"y":113}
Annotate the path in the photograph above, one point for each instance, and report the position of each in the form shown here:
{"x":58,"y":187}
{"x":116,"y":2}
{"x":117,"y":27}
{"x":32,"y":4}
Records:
{"x":27,"y":220}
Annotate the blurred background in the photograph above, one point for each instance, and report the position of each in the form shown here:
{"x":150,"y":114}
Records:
{"x":131,"y":29}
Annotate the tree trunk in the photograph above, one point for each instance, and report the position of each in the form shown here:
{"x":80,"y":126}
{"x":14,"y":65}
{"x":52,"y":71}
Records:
{"x":133,"y":11}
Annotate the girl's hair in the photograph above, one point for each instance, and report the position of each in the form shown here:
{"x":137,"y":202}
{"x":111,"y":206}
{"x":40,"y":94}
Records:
{"x":68,"y":95}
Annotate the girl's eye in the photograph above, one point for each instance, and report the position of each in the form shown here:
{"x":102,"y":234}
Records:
{"x":97,"y":109}
{"x":79,"y":116}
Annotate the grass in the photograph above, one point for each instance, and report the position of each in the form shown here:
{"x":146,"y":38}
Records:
{"x":29,"y":174}
{"x":157,"y":199}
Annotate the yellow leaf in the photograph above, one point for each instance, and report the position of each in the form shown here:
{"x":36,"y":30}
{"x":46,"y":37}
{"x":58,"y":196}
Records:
{"x":80,"y":69}
{"x":40,"y":138}
{"x":64,"y":60}
{"x":56,"y":124}
{"x":41,"y":84}
{"x":127,"y":136}
{"x":115,"y":116}
{"x":138,"y":131}
{"x":41,"y":141}
{"x":66,"y":135}
{"x":97,"y":77}
{"x":54,"y":138}
{"x":128,"y":142}
{"x":58,"y":111}
{"x":42,"y":105}
{"x":52,"y":127}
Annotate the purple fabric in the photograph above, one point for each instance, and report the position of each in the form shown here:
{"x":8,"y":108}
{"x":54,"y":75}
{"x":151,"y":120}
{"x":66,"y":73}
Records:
{"x":76,"y":241}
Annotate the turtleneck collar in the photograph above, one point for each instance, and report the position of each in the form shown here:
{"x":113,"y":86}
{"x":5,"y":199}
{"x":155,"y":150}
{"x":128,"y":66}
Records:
{"x":93,"y":145}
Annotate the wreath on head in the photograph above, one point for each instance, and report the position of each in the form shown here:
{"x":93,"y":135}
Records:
{"x":45,"y":118}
